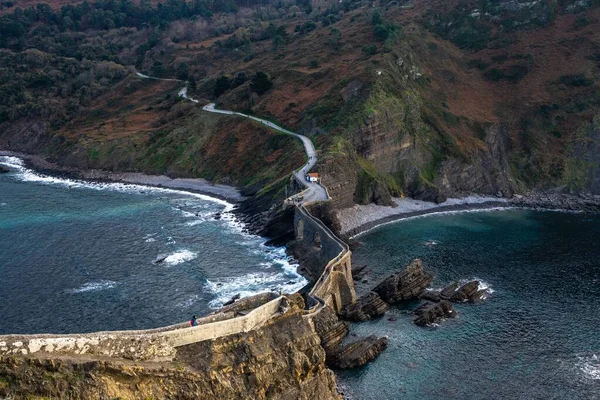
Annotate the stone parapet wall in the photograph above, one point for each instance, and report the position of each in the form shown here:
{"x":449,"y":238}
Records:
{"x":151,"y":344}
{"x":334,"y":285}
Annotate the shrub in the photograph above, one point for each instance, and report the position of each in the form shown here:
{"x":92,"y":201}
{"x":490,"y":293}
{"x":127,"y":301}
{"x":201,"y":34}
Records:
{"x":369,"y":50}
{"x":260,"y":83}
{"x":314,"y":64}
{"x":576,"y":80}
{"x":222,"y":84}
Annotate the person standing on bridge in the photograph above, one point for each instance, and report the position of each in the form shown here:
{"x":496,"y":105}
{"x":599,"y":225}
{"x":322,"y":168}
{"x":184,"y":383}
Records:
{"x":193,"y":321}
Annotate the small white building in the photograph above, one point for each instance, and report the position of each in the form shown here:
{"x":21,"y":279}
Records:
{"x":313,"y":177}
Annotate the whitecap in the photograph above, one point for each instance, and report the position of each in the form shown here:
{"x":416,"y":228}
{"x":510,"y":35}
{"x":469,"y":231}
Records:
{"x":2,"y":204}
{"x":187,"y":303}
{"x":590,"y":366}
{"x":95,"y":286}
{"x":28,"y":175}
{"x":251,"y":284}
{"x":180,"y":257}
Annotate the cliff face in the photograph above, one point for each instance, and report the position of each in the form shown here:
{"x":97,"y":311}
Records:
{"x":282,"y":360}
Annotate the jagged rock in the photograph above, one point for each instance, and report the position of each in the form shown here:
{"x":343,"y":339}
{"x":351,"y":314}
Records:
{"x":430,"y":313}
{"x":432,"y":295}
{"x":330,"y":329}
{"x":3,"y":169}
{"x":406,"y":284}
{"x":449,"y":291}
{"x":393,"y":318}
{"x":468,"y":292}
{"x":232,"y":300}
{"x":358,"y":271}
{"x":359,"y":353}
{"x":365,"y":308}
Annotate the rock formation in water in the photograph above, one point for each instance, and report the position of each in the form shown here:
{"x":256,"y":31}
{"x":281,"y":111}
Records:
{"x":358,"y":272}
{"x":460,"y":293}
{"x":407,"y":284}
{"x":367,"y":307}
{"x":331,"y":331}
{"x":430,"y":313}
{"x":359,"y":353}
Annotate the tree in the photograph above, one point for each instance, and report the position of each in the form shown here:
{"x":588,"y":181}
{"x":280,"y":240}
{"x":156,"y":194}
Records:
{"x":260,"y":83}
{"x":222,"y":84}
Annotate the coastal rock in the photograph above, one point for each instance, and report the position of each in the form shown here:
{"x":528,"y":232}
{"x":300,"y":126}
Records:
{"x":3,"y":169}
{"x":460,"y":293}
{"x":431,"y":295}
{"x":407,"y":284}
{"x":359,"y":353}
{"x":358,"y":272}
{"x":430,"y":313}
{"x":330,"y":329}
{"x":367,"y":307}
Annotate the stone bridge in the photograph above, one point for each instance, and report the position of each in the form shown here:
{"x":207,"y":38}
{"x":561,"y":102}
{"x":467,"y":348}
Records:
{"x":334,"y":287}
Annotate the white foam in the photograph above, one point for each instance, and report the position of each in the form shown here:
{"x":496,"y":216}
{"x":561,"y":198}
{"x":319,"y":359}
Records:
{"x":187,"y":303}
{"x":28,"y":175}
{"x":2,"y":204}
{"x":180,"y":257}
{"x":287,"y":281}
{"x":590,"y":366}
{"x":95,"y":286}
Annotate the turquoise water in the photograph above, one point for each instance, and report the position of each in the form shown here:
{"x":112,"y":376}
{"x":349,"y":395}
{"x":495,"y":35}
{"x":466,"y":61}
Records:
{"x":79,"y":257}
{"x":537,"y":336}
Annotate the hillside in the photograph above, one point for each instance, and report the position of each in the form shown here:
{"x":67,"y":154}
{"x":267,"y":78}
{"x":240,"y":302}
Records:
{"x":427,"y":99}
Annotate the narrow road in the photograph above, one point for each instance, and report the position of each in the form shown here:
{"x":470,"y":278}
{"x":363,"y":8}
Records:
{"x":314,"y":191}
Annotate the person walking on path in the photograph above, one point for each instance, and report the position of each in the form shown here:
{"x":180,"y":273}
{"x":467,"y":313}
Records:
{"x":193,"y":321}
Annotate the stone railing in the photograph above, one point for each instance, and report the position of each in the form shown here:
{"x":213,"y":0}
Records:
{"x":335,"y":285}
{"x":149,"y":344}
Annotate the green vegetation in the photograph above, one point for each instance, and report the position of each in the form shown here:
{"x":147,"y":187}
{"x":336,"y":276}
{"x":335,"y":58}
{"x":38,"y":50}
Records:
{"x":576,"y":80}
{"x":261,"y":83}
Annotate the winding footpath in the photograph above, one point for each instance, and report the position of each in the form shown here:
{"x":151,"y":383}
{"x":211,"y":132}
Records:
{"x":314,"y":191}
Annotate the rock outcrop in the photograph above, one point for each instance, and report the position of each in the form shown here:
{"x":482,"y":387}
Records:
{"x":407,"y":284}
{"x":359,"y":353}
{"x":367,"y":307}
{"x":460,"y":293}
{"x":330,"y":329}
{"x":430,"y":313}
{"x":332,"y":332}
{"x":3,"y":169}
{"x":281,"y":360}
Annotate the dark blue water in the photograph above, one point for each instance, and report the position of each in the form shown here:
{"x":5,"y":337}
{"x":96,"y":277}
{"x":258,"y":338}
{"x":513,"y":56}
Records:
{"x":537,"y":336}
{"x":78,"y":257}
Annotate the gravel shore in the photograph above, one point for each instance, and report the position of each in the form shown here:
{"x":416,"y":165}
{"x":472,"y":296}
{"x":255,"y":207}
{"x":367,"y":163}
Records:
{"x":196,"y":185}
{"x":360,"y":218}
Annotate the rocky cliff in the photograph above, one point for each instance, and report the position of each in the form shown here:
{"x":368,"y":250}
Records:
{"x":282,"y":360}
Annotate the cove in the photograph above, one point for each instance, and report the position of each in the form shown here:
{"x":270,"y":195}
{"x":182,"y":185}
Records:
{"x":80,"y":257}
{"x":535,"y":337}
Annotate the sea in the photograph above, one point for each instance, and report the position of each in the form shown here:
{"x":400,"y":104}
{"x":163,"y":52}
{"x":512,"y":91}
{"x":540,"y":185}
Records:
{"x":535,"y":336}
{"x":77,"y":256}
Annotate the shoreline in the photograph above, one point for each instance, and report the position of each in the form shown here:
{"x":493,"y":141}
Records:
{"x":193,"y":185}
{"x":558,"y":202}
{"x":369,"y":226}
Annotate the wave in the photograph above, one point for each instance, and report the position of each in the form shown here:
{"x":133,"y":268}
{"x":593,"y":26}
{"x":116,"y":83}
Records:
{"x":95,"y":286}
{"x":27,"y":175}
{"x":180,"y":257}
{"x":286,"y":281}
{"x":590,"y":366}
